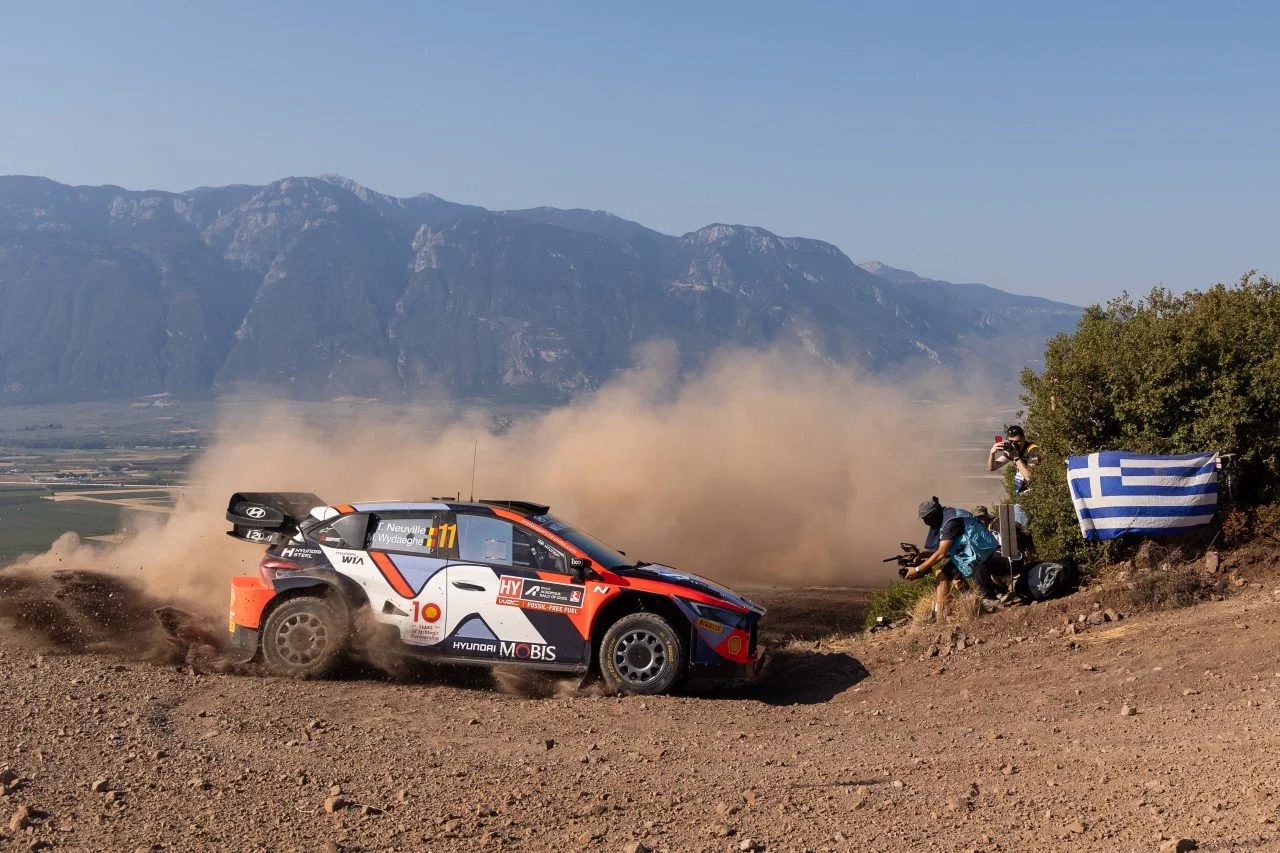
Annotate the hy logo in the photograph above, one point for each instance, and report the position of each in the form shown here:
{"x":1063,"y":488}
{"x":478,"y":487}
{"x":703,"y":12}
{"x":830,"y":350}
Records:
{"x":256,"y":512}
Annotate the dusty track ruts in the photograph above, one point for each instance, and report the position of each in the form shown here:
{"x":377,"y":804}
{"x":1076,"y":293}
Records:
{"x":868,"y":745}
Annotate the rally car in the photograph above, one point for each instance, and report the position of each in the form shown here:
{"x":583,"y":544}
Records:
{"x":479,"y":582}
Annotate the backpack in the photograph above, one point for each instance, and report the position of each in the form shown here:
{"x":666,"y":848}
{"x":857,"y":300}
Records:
{"x":1051,"y":579}
{"x":976,"y":547}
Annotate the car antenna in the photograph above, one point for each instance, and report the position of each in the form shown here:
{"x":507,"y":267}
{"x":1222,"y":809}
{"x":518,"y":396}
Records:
{"x":475,"y":449}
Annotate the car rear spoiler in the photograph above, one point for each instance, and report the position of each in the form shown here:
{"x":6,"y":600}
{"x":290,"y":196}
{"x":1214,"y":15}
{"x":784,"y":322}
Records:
{"x":269,"y":518}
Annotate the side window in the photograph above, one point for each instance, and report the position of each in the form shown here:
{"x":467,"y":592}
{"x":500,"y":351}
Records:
{"x":429,"y":534}
{"x":482,"y":539}
{"x":530,"y":551}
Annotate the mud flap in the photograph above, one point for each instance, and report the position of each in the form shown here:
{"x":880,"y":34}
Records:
{"x":243,"y":647}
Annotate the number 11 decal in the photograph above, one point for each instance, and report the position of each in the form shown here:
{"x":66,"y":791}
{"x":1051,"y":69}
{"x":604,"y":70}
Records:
{"x":444,"y":536}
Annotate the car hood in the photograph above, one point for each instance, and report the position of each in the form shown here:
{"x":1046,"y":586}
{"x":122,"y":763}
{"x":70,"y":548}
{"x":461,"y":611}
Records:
{"x":697,"y":583}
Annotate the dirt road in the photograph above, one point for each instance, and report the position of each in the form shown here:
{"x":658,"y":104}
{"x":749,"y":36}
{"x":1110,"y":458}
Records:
{"x":1013,"y":741}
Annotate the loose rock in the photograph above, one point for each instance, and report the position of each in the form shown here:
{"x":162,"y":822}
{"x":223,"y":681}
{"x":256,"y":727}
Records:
{"x":1178,"y":845}
{"x":21,"y":819}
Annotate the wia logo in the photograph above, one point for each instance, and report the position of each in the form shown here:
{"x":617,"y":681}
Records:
{"x":352,"y":558}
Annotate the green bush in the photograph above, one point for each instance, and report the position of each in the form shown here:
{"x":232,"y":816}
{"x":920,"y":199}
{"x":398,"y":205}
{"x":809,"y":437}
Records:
{"x":898,"y":599}
{"x":1166,"y":374}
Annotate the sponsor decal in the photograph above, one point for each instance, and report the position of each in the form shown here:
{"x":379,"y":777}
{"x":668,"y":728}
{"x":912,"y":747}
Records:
{"x":256,"y":512}
{"x":527,"y":651}
{"x":300,"y":553}
{"x":734,"y":645}
{"x":425,"y":634}
{"x":600,"y":590}
{"x":483,"y":647}
{"x":534,"y":594}
{"x":356,"y":559}
{"x":256,"y":535}
{"x":714,"y":627}
{"x":328,"y":536}
{"x":428,"y":612}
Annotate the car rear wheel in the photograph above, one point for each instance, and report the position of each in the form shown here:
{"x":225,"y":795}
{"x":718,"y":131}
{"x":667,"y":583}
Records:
{"x":303,"y":638}
{"x":641,"y":653}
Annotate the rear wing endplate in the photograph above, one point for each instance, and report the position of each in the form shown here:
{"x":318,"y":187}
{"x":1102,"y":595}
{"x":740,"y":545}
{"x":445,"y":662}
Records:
{"x":268,"y":518}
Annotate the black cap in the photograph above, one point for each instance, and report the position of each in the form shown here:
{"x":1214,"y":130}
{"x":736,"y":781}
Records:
{"x":930,"y":506}
{"x":1015,"y":430}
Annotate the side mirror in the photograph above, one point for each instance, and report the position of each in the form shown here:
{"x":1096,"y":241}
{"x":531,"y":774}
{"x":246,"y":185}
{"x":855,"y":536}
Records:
{"x":578,"y":567}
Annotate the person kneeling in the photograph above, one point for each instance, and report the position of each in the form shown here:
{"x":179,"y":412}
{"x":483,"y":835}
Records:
{"x":960,"y":546}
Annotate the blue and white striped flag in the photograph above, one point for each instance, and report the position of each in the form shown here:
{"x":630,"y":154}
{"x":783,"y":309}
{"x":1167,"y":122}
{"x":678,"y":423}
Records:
{"x":1119,"y":492}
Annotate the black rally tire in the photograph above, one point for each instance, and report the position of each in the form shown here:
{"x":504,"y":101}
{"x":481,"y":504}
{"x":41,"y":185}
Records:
{"x":642,"y":654}
{"x":304,"y":637}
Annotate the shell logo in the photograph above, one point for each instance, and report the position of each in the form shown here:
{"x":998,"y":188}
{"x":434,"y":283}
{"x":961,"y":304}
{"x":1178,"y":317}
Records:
{"x":734,"y":645}
{"x":431,"y":613}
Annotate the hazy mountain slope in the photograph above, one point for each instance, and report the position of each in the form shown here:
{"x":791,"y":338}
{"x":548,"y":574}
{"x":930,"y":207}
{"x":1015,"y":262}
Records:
{"x":320,"y":286}
{"x":1005,"y":314}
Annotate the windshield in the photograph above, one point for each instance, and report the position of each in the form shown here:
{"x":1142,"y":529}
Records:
{"x":600,"y":553}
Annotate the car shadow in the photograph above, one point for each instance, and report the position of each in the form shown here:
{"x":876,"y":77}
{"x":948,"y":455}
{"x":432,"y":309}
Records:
{"x":798,"y":677}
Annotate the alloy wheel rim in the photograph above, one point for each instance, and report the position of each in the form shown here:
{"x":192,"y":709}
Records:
{"x":639,"y":656}
{"x":302,"y":639}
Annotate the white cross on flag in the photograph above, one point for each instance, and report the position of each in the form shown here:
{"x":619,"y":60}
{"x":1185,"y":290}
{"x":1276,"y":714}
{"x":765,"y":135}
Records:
{"x":1117,"y":492}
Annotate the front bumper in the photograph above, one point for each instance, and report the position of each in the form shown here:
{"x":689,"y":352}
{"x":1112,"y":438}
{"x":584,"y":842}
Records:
{"x":725,"y":672}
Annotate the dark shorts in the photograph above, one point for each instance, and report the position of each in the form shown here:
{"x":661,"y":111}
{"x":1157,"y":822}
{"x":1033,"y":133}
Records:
{"x":995,"y":564}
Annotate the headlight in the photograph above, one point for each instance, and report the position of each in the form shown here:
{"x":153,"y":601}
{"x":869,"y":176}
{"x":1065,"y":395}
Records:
{"x":731,"y":618}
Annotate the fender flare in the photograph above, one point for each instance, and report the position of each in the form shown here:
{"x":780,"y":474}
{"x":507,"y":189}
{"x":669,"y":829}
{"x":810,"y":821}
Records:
{"x":343,"y":590}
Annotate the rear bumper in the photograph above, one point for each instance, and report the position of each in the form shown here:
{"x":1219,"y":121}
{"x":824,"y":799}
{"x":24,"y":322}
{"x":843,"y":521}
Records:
{"x":249,"y":597}
{"x":725,"y":672}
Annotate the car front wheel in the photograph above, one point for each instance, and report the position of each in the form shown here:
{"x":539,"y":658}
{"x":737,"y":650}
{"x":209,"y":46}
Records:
{"x":303,"y":638}
{"x":641,"y":653}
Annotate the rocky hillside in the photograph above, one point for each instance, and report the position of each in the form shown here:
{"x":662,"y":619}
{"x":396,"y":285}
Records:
{"x":321,"y":287}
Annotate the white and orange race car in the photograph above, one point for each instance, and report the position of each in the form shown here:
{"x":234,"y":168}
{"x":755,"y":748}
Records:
{"x":486,"y":582}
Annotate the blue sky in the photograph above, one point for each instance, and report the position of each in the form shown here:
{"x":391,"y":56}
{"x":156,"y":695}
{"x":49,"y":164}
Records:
{"x":1072,"y":152}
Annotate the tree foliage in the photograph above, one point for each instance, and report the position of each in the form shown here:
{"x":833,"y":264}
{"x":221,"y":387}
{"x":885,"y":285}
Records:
{"x":1165,"y":374}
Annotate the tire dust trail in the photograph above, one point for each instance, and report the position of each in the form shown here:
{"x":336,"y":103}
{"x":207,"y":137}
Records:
{"x":763,"y":466}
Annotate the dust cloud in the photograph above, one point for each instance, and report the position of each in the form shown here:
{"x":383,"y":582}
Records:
{"x":763,"y":467}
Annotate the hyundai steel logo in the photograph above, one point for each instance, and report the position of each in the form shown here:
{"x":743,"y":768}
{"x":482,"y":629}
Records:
{"x":256,"y":512}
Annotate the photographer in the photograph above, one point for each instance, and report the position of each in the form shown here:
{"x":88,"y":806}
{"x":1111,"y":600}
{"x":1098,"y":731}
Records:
{"x":1015,"y":448}
{"x":962,"y":547}
{"x":1024,"y":455}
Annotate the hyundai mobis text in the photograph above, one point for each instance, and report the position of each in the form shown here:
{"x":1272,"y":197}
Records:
{"x":487,"y":582}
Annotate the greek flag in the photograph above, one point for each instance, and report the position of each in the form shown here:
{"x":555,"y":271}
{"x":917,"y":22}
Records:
{"x":1119,"y":492}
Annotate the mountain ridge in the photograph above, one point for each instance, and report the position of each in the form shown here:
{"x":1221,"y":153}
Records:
{"x":320,"y":286}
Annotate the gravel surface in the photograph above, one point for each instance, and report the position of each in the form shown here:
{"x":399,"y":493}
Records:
{"x":1012,"y":732}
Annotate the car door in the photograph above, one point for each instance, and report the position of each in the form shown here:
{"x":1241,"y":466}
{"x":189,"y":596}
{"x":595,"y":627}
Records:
{"x":511,"y":597}
{"x":409,"y":551}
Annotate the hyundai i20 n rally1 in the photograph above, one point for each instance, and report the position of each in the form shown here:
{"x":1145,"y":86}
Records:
{"x":487,"y":582}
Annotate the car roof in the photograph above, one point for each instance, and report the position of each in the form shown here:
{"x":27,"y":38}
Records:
{"x":525,"y":508}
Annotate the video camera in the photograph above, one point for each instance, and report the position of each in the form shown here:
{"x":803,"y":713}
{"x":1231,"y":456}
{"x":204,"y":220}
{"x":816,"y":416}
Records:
{"x":910,"y":557}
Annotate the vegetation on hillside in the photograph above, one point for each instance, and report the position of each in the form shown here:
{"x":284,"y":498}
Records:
{"x":1166,"y":374}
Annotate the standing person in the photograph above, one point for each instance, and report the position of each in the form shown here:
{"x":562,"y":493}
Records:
{"x":962,"y":546}
{"x":1018,"y":449}
{"x":1024,"y":454}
